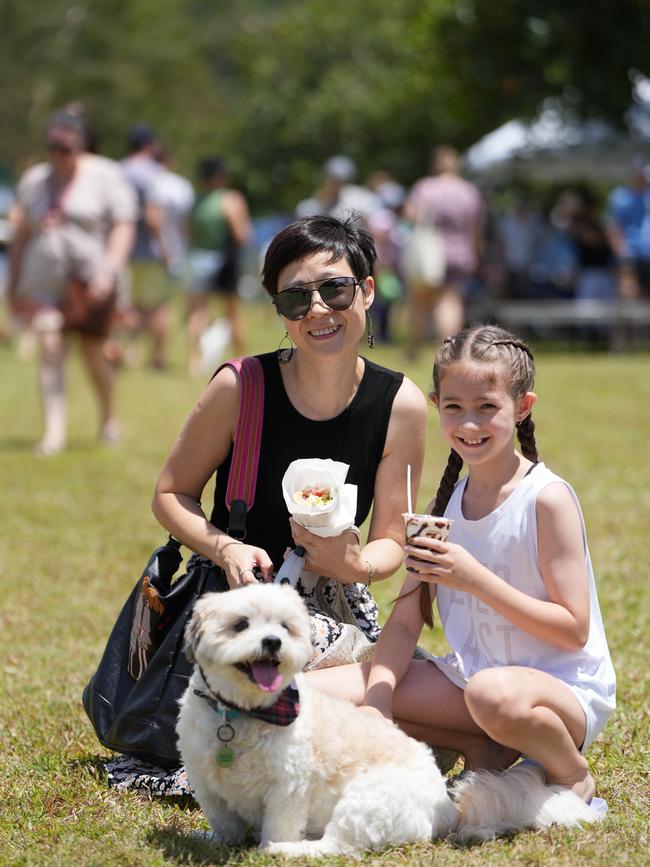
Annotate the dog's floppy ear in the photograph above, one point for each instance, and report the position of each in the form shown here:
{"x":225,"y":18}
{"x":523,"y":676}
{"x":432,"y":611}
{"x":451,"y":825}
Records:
{"x":202,"y":611}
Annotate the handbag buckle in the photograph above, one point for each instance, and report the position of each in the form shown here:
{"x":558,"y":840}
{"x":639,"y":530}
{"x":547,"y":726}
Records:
{"x":237,"y":521}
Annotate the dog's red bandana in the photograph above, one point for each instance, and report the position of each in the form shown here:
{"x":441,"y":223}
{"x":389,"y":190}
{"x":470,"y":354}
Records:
{"x":282,"y":713}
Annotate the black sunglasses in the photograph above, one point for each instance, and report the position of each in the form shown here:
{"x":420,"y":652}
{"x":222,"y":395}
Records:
{"x":337,"y":293}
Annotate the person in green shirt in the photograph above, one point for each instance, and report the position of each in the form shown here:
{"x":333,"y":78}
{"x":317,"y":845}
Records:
{"x":219,"y":226}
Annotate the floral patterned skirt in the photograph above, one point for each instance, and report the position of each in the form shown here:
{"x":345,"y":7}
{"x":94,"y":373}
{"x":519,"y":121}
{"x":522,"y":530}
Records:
{"x":344,"y":620}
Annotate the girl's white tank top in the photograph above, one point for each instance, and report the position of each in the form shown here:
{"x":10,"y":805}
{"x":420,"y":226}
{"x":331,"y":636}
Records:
{"x":505,"y":541}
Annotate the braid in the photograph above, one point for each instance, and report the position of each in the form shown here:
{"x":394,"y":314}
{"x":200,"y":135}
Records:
{"x":518,"y":344}
{"x":445,"y":490}
{"x":447,"y":483}
{"x":526,"y":437}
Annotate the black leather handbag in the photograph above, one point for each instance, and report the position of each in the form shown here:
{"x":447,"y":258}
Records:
{"x":132,"y":699}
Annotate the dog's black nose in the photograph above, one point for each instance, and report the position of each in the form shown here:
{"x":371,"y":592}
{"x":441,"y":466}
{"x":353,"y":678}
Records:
{"x":271,"y":643}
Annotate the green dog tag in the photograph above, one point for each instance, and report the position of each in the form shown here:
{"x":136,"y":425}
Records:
{"x":225,"y":757}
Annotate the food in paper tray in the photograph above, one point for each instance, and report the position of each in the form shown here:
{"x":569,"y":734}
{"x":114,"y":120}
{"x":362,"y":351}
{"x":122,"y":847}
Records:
{"x":318,"y":497}
{"x":314,"y":496}
{"x":433,"y":526}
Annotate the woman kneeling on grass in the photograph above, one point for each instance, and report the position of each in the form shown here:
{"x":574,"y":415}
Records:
{"x":529,"y":672}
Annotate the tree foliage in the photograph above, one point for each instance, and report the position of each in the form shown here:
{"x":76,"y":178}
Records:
{"x":514,"y":54}
{"x":277,"y":86}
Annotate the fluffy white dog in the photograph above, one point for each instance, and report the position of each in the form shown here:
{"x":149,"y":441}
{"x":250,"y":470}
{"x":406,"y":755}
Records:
{"x":265,"y":752}
{"x":331,"y":771}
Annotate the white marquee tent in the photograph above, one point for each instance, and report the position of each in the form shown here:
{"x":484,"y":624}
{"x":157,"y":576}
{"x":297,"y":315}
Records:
{"x":553,"y":148}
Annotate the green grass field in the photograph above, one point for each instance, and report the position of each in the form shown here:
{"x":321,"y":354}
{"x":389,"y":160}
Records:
{"x":76,"y":529}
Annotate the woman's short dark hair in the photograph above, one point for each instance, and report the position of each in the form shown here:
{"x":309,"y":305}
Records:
{"x":322,"y":233}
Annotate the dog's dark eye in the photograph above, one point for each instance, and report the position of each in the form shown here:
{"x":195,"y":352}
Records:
{"x":284,"y":625}
{"x":241,"y":625}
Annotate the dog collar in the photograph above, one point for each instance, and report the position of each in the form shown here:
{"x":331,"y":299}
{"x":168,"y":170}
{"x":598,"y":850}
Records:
{"x":282,"y":713}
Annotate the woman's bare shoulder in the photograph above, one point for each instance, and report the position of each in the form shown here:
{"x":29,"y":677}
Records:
{"x":410,"y":401}
{"x":408,"y":421}
{"x":205,"y":439}
{"x":221,"y":395}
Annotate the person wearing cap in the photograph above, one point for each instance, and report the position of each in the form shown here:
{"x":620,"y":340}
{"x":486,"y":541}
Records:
{"x":338,"y":195}
{"x":73,"y":223}
{"x":219,"y":226}
{"x":628,"y":229}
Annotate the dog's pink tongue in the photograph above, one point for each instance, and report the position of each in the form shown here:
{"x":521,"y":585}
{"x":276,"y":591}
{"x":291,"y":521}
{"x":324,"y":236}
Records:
{"x":266,"y":675}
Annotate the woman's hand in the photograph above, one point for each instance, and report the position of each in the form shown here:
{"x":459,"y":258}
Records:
{"x":243,"y":563}
{"x":337,"y":557}
{"x":443,"y":563}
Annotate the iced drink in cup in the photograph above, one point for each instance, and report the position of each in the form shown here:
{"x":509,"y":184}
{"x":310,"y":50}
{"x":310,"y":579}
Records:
{"x":433,"y":526}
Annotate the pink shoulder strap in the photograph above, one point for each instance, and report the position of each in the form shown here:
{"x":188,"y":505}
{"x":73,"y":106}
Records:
{"x":248,"y":433}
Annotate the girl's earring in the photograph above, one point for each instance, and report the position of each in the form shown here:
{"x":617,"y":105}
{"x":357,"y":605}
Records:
{"x":369,"y":331}
{"x":285,"y":353}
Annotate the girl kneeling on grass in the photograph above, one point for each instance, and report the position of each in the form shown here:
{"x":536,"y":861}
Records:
{"x":529,"y":672}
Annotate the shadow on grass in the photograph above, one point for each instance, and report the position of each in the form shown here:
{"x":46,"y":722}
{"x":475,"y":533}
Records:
{"x":18,"y":444}
{"x":454,"y":841}
{"x":181,"y":847}
{"x":29,"y":444}
{"x":178,"y":845}
{"x":92,"y":764}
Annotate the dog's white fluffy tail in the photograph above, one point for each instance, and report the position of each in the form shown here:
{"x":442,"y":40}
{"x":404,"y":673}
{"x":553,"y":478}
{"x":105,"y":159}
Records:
{"x":492,"y":803}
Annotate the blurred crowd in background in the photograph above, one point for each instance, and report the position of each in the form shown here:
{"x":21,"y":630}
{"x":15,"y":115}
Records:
{"x":112,"y":250}
{"x":195,"y":238}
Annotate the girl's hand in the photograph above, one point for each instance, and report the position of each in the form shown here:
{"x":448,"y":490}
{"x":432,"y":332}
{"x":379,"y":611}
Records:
{"x":336,"y":557}
{"x":243,"y":563}
{"x":443,"y":563}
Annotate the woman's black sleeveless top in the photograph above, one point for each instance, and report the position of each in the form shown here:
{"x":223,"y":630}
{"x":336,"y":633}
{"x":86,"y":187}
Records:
{"x":356,"y":437}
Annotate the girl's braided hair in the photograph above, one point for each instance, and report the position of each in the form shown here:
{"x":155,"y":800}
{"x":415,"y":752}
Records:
{"x":493,"y":345}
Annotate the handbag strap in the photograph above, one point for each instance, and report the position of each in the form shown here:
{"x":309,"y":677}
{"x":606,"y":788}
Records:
{"x":242,"y":479}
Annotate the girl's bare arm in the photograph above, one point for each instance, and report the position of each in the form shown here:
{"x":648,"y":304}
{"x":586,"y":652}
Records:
{"x":394,"y":650}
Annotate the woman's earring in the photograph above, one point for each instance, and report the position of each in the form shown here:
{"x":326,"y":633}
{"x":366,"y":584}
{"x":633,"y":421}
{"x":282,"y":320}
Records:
{"x":285,"y":353}
{"x":369,"y":331}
